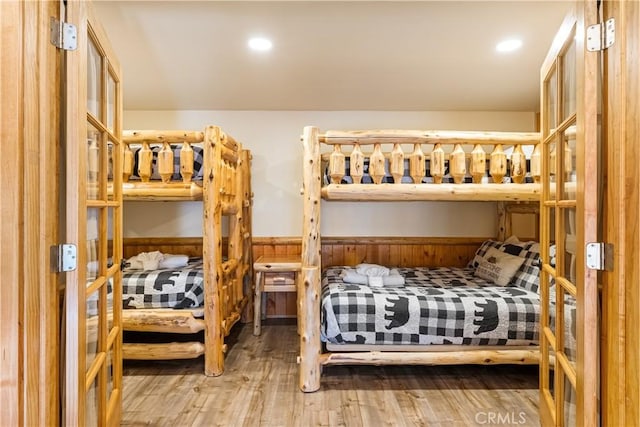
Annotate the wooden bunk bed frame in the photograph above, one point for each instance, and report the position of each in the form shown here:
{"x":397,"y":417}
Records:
{"x":311,"y":358}
{"x":225,"y":190}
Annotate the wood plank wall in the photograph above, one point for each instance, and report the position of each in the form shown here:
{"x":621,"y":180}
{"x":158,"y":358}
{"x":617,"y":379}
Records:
{"x":391,"y":251}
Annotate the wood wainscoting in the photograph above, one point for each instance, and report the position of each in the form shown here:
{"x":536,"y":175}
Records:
{"x":392,"y":251}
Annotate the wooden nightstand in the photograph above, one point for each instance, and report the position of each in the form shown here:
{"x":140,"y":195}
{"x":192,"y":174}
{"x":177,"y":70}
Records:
{"x":268,"y":280}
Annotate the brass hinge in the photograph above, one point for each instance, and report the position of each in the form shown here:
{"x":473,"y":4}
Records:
{"x":63,"y":35}
{"x":601,"y":36}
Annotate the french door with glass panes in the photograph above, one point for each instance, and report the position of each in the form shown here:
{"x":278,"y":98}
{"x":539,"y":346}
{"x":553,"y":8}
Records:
{"x":568,"y":216}
{"x":93,"y":338}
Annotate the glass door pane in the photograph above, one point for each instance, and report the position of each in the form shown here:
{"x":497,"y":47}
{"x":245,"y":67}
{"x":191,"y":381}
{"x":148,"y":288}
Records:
{"x":568,"y":61}
{"x":94,"y":359}
{"x":568,"y":293}
{"x":94,"y":79}
{"x":551,"y":89}
{"x":111,"y":101}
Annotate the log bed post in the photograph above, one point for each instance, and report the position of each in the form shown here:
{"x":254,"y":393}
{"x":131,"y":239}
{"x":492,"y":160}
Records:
{"x":247,"y":254}
{"x":309,"y":285}
{"x":212,"y":254}
{"x":235,"y":233}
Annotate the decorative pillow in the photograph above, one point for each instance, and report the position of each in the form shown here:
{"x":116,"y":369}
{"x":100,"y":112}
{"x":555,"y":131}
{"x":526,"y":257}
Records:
{"x":498,"y":266}
{"x":528,"y":275}
{"x":482,"y":250}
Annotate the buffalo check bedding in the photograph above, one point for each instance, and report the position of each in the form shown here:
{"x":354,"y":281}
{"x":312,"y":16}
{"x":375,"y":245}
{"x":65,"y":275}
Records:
{"x":436,"y":306}
{"x":177,"y":288}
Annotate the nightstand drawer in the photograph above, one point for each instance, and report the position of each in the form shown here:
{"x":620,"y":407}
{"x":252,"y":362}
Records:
{"x":279,"y":282}
{"x":273,"y":279}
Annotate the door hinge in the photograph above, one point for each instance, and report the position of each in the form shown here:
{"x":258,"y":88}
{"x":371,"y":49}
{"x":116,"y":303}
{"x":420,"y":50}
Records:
{"x":601,"y":36}
{"x":63,"y":35}
{"x":64,"y":258}
{"x":599,"y":256}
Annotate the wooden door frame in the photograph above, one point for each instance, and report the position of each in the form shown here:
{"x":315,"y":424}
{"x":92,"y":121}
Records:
{"x":29,"y":153}
{"x":621,"y":219}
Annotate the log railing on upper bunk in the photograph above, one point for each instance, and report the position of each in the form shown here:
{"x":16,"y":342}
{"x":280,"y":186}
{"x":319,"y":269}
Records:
{"x":139,"y":185}
{"x":444,"y":148}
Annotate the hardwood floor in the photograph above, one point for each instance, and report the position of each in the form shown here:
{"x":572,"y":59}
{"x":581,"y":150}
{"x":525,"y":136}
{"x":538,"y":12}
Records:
{"x":259,"y":388}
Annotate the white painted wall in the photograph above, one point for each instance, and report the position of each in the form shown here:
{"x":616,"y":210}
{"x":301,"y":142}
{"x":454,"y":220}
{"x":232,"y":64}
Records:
{"x":274,"y":139}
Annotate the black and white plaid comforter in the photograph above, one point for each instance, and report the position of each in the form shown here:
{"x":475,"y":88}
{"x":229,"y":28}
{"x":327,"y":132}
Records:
{"x":179,"y":288}
{"x":436,"y":306}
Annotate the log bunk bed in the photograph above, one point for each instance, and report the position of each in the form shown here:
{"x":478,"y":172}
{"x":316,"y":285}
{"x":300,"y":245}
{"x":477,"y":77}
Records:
{"x":220,"y":177}
{"x":351,"y":165}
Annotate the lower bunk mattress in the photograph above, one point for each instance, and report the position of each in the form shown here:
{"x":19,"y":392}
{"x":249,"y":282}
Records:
{"x":164,"y":288}
{"x":435,"y":306}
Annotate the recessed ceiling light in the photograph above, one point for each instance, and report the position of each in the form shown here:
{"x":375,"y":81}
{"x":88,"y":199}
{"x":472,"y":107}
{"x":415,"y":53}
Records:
{"x":509,"y":45}
{"x":260,"y":44}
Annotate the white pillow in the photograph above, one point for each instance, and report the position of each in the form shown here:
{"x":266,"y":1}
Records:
{"x":498,"y":266}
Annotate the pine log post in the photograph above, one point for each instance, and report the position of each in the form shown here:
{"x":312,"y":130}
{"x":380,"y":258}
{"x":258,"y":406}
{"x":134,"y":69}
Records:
{"x":309,"y":283}
{"x":127,"y":163}
{"x":235,"y":234}
{"x":457,"y":164}
{"x":478,"y":164}
{"x":417,"y":168}
{"x":437,"y":163}
{"x":186,"y":162}
{"x":247,"y":255}
{"x":498,"y":164}
{"x":396,"y":164}
{"x":145,"y":158}
{"x":502,"y":221}
{"x":212,"y":254}
{"x":165,"y":162}
{"x":376,"y":164}
{"x":336,"y":165}
{"x":356,"y":164}
{"x":518,"y":165}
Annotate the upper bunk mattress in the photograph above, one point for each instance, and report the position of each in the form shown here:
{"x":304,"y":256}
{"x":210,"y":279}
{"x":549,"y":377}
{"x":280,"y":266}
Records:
{"x":436,"y":306}
{"x":164,"y":288}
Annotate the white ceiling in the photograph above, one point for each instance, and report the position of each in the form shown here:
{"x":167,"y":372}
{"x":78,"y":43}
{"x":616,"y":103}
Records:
{"x":329,"y":55}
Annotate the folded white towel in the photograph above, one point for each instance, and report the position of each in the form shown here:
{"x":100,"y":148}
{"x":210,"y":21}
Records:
{"x":350,"y":276}
{"x":394,"y":279}
{"x":376,"y":281}
{"x":150,"y":260}
{"x":156,"y":260}
{"x":372,"y":270}
{"x":173,"y":261}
